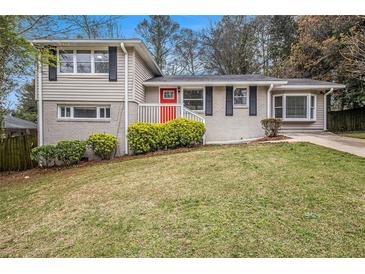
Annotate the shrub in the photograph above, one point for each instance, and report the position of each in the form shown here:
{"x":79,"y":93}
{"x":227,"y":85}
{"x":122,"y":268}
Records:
{"x":271,"y":126}
{"x":183,"y":132}
{"x":103,"y":144}
{"x":70,"y":152}
{"x":45,"y":155}
{"x":147,"y":137}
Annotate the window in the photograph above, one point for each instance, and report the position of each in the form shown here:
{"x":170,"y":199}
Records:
{"x":101,"y":59}
{"x":194,"y":98}
{"x":168,"y":94}
{"x":278,"y":106}
{"x":66,"y":61}
{"x":298,"y":107}
{"x":83,"y":61}
{"x":240,"y":97}
{"x":83,"y":112}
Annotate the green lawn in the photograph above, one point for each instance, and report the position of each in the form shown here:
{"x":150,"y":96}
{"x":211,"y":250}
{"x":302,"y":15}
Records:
{"x":262,"y":200}
{"x":354,"y":134}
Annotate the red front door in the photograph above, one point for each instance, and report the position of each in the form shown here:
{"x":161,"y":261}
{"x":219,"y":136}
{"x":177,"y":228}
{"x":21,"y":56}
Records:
{"x":168,"y":96}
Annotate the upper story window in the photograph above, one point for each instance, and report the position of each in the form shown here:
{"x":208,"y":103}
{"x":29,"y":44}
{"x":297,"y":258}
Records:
{"x":295,"y":107}
{"x":194,"y":98}
{"x":83,"y":61}
{"x":240,"y":95}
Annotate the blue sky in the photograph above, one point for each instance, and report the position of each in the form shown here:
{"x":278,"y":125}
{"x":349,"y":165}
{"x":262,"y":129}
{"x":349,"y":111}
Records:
{"x":129,"y":23}
{"x":196,"y":22}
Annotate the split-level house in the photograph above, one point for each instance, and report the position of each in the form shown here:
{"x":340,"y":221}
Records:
{"x":105,"y":85}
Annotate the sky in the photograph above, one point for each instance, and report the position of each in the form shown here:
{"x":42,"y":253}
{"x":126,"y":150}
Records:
{"x":129,"y":23}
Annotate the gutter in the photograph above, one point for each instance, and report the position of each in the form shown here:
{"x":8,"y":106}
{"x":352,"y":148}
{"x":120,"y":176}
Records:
{"x":325,"y":108}
{"x":211,"y":83}
{"x":40,"y":103}
{"x":126,"y":112}
{"x":269,"y":100}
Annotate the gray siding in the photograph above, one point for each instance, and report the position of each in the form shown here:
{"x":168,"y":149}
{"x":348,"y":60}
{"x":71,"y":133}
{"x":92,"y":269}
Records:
{"x":152,"y":95}
{"x":141,"y":74}
{"x":317,"y":125}
{"x":90,"y":87}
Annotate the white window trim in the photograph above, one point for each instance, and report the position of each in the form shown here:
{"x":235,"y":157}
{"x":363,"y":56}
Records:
{"x":72,"y":118}
{"x":173,"y":92}
{"x":307,"y":119}
{"x":248,"y":97}
{"x":197,"y":111}
{"x":74,"y":50}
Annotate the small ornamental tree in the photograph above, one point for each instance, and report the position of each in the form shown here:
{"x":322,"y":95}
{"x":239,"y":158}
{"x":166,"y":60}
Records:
{"x":271,"y":126}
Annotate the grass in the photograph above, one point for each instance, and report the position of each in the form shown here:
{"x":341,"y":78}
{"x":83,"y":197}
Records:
{"x":353,"y":134}
{"x":262,"y":200}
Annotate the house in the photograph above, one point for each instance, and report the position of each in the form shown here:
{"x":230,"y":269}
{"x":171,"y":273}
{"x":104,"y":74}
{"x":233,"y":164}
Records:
{"x":14,"y":126}
{"x":106,"y":85}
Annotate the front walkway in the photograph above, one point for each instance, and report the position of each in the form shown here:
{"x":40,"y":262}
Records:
{"x":331,"y":140}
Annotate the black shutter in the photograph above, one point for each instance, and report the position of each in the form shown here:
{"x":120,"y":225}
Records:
{"x":208,"y":101}
{"x":253,"y":101}
{"x":112,"y":63}
{"x":52,"y":66}
{"x":229,"y":101}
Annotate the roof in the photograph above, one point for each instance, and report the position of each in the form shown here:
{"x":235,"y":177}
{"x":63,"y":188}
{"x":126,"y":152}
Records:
{"x":251,"y":79}
{"x":13,"y":122}
{"x":303,"y":83}
{"x":257,"y":79}
{"x":136,"y":43}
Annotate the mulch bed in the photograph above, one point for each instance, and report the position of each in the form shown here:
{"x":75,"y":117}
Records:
{"x":269,"y":139}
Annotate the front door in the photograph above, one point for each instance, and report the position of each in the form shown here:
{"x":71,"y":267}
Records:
{"x":168,"y":96}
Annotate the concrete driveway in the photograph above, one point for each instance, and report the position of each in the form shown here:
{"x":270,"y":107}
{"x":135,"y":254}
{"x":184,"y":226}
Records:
{"x":331,"y":140}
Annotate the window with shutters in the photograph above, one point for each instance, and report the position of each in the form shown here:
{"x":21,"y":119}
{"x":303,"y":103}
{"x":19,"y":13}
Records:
{"x":295,"y":107}
{"x":83,"y":112}
{"x":83,"y":61}
{"x":240,"y":97}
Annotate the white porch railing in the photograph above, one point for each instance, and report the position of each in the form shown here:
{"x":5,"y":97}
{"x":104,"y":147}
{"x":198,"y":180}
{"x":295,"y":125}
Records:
{"x":161,"y":113}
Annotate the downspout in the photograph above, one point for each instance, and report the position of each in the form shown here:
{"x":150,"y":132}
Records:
{"x":40,"y":103}
{"x":269,"y":100}
{"x":126,"y":113}
{"x":325,"y":108}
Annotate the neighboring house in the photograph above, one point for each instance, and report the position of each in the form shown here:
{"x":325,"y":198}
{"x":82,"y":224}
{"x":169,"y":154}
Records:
{"x":14,"y":126}
{"x":105,"y":85}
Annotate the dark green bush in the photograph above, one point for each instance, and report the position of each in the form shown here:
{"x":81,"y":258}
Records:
{"x":147,"y":137}
{"x":271,"y":126}
{"x":182,"y":132}
{"x":45,"y":155}
{"x":103,"y":144}
{"x":70,"y":152}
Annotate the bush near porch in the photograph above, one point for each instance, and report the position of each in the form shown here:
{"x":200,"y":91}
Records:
{"x":148,"y":137}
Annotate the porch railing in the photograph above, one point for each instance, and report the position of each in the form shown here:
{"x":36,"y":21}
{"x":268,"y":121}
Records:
{"x":161,"y":113}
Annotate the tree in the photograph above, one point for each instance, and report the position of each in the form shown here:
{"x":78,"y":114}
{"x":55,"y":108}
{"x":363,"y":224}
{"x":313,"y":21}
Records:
{"x":187,"y":53}
{"x":283,"y":32}
{"x":159,"y":33}
{"x":228,"y":46}
{"x":27,"y":105}
{"x":316,"y":54}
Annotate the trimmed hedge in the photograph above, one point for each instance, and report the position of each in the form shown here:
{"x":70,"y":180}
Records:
{"x":103,"y":144}
{"x":70,"y":152}
{"x":45,"y":155}
{"x":147,"y":137}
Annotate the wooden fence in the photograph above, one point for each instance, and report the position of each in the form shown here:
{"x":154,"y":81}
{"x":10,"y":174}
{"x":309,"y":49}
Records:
{"x":15,"y":152}
{"x":347,"y":120}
